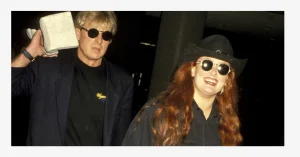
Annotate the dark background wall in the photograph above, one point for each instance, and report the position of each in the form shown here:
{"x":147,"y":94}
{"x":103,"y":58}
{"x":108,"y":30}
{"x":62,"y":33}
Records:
{"x":261,"y":40}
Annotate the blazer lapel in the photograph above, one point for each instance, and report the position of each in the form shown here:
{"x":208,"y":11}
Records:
{"x":63,"y":92}
{"x":111,"y":106}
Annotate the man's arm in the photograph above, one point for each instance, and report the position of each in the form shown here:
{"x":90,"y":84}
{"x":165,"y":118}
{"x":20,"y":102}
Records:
{"x":35,"y":48}
{"x":23,"y":71}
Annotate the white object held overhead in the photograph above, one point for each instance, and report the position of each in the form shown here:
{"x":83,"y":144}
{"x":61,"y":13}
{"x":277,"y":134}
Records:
{"x":58,"y":32}
{"x":30,"y":32}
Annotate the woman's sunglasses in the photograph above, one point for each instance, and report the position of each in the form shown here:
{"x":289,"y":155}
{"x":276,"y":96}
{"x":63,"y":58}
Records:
{"x":93,"y":33}
{"x":207,"y":65}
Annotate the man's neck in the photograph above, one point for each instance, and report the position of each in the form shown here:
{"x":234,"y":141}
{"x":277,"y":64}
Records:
{"x":90,"y":63}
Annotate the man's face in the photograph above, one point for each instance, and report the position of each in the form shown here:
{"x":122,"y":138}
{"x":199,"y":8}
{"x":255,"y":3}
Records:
{"x":91,"y":49}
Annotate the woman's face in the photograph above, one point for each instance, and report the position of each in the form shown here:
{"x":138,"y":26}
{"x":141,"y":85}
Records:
{"x":207,"y":73}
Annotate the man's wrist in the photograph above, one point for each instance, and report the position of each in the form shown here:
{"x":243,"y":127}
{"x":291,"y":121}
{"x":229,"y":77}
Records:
{"x":32,"y":51}
{"x":27,"y":54}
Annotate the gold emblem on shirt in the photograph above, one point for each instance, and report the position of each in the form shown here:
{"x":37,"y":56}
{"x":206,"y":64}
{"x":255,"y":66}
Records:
{"x":100,"y":96}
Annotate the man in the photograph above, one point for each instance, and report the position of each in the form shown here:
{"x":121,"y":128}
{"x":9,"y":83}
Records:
{"x":77,"y":96}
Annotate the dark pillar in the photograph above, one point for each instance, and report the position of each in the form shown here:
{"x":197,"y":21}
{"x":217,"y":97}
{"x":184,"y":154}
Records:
{"x":177,"y":28}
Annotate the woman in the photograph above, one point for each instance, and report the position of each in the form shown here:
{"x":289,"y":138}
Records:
{"x":199,"y":106}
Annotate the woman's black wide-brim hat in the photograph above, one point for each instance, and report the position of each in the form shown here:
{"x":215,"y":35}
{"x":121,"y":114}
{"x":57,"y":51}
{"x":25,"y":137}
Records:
{"x":216,"y":46}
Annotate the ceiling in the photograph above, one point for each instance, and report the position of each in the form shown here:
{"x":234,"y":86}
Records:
{"x":268,"y":24}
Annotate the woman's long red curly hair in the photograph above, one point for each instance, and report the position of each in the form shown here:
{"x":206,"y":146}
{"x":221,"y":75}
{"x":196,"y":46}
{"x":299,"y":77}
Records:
{"x":173,"y":117}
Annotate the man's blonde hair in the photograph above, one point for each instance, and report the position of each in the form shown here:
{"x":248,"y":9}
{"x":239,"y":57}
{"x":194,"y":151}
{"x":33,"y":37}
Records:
{"x":107,"y":18}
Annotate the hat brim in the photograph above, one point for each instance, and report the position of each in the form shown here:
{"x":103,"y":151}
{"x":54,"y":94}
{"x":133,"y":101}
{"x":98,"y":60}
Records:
{"x":193,"y":52}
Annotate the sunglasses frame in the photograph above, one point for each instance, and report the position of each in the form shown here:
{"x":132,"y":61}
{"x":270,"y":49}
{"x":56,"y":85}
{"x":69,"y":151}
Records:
{"x":214,"y":64}
{"x":87,"y":30}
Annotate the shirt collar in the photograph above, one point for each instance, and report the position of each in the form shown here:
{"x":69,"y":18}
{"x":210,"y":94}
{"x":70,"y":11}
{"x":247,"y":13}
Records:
{"x":214,"y":110}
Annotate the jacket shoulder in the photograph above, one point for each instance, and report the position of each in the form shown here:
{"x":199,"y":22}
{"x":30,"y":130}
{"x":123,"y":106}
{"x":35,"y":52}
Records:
{"x":64,"y":56}
{"x":117,"y":71}
{"x":139,"y":132}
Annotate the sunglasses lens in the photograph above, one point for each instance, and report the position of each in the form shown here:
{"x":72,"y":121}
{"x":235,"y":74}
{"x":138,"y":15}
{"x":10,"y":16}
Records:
{"x":93,"y":33}
{"x":207,"y":65}
{"x":107,"y":35}
{"x":223,"y":69}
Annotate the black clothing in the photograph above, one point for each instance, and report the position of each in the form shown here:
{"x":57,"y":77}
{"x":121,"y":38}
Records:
{"x":202,"y":132}
{"x":87,"y":106}
{"x":49,"y":83}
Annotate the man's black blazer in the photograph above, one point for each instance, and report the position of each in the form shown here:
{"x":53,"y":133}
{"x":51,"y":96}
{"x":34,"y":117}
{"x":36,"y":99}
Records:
{"x":48,"y":81}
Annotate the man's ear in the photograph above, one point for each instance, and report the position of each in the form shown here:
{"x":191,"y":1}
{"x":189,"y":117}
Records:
{"x":77,"y":30}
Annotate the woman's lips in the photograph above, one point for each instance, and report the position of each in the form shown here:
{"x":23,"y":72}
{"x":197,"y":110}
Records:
{"x":211,"y":81}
